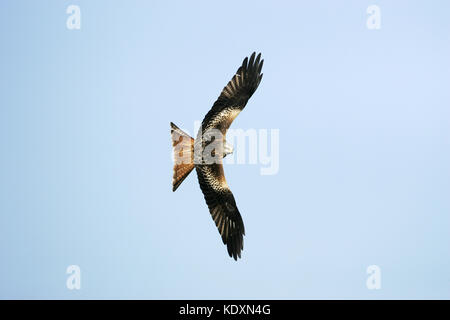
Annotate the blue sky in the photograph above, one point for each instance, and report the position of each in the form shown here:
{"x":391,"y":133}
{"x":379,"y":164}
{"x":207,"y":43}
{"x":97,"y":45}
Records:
{"x":85,"y":171}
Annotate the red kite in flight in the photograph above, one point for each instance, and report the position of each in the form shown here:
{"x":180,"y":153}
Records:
{"x":190,"y":153}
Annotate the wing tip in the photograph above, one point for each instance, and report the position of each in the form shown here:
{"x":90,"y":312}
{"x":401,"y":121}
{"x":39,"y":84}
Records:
{"x":252,"y":64}
{"x":235,"y":246}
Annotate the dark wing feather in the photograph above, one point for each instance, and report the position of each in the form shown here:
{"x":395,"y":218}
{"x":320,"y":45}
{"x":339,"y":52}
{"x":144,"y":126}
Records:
{"x":235,"y":95}
{"x":222,"y":207}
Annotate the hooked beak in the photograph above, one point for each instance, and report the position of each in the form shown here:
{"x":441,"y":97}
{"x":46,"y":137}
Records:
{"x":227,"y":149}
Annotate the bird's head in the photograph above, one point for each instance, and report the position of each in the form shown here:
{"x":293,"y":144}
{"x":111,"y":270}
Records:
{"x":227,"y":149}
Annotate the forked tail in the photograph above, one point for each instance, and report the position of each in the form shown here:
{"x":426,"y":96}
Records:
{"x":183,"y":155}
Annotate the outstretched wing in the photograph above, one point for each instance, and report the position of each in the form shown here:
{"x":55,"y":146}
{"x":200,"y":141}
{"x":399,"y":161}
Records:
{"x":234,"y":95}
{"x":222,"y":207}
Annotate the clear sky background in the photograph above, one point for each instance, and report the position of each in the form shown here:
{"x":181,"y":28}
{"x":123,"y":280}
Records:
{"x":85,"y":166}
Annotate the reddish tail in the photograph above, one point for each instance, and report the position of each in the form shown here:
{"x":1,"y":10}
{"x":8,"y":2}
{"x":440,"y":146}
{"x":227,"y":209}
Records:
{"x":183,"y":155}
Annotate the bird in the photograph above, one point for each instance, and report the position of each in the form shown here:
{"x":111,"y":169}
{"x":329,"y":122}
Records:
{"x":205,"y":153}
